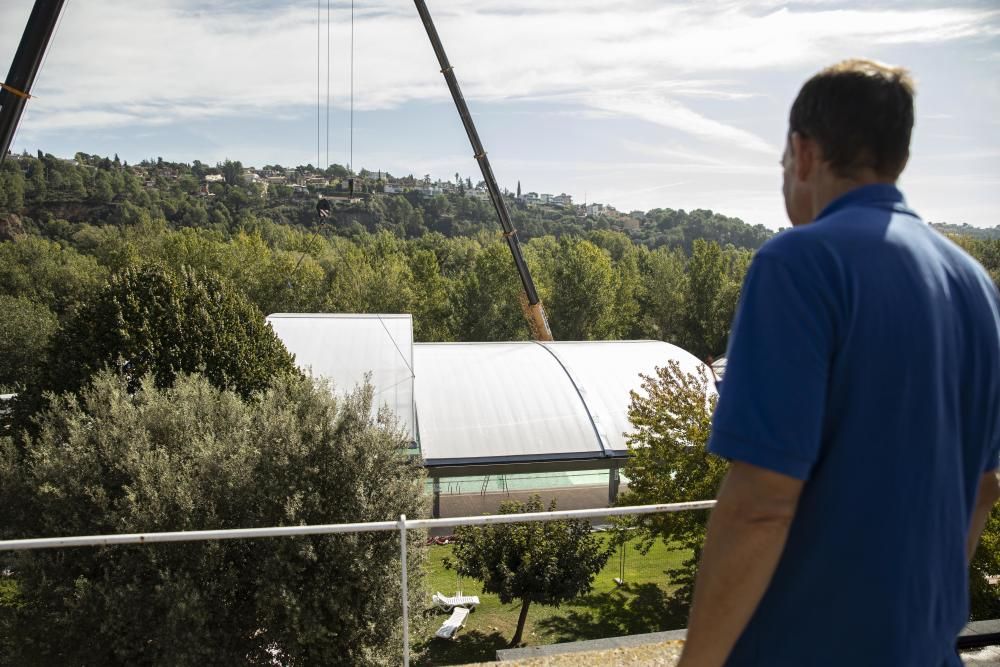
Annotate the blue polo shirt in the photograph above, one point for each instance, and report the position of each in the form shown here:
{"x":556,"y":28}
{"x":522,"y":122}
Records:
{"x":865,"y":360}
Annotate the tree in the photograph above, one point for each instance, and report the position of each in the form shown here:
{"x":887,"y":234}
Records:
{"x":583,"y":299}
{"x":48,"y":273}
{"x":194,"y":457}
{"x":668,"y":463}
{"x":487,"y":305}
{"x":231,"y":171}
{"x":548,"y":562}
{"x":25,"y":329}
{"x":12,"y":187}
{"x":431,"y":307}
{"x":148,"y":321}
{"x":661,"y":302}
{"x":714,"y":278}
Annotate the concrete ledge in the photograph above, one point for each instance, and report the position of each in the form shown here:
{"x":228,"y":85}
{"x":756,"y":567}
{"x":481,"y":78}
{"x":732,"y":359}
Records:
{"x":528,"y":652}
{"x":981,"y":628}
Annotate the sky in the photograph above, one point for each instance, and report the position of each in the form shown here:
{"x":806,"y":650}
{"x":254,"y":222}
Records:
{"x":636,"y":103}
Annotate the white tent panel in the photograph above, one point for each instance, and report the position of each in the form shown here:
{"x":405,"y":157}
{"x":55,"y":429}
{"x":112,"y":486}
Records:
{"x":606,"y":371}
{"x":498,"y":401}
{"x":344,"y":348}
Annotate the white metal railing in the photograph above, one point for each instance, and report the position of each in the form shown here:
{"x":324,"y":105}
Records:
{"x":402,"y":525}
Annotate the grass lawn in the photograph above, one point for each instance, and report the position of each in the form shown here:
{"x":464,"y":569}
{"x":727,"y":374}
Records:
{"x":640,"y":605}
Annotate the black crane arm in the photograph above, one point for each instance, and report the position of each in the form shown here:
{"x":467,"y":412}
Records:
{"x":534,"y":310}
{"x":23,"y":69}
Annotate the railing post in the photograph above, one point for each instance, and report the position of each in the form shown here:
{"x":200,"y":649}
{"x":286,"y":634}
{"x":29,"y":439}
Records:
{"x":406,"y":592}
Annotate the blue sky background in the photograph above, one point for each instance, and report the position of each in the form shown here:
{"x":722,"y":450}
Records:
{"x":636,"y":103}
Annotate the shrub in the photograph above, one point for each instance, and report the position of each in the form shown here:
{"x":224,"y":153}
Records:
{"x":192,"y":457}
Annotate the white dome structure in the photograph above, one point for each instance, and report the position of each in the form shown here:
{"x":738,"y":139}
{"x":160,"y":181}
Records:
{"x":484,"y":403}
{"x":491,"y":417}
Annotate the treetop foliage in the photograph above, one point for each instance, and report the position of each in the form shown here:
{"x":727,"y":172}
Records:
{"x":149,"y":321}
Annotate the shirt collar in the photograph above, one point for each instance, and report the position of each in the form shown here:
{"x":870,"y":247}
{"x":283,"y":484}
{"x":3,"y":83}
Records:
{"x":879,"y":195}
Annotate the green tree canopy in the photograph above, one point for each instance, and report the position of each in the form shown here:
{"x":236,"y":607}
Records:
{"x":714,"y":279}
{"x":147,"y":320}
{"x":582,"y":306}
{"x":25,"y":329}
{"x":548,"y":562}
{"x":487,"y":305}
{"x":48,"y":273}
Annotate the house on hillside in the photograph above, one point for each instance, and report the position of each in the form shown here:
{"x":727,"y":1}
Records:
{"x":562,"y":199}
{"x":213,"y":178}
{"x":251,"y":177}
{"x":478,"y":193}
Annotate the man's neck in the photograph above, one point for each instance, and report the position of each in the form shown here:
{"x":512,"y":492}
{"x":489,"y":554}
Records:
{"x":833,"y":187}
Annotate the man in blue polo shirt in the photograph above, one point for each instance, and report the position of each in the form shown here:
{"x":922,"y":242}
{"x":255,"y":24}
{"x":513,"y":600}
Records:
{"x":860,"y":410}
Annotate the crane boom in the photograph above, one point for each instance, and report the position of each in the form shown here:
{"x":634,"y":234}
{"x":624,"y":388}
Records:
{"x":23,"y":69}
{"x":534,"y":311}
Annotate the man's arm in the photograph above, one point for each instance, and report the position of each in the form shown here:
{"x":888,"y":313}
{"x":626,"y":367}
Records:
{"x":987,"y":496}
{"x":746,"y":535}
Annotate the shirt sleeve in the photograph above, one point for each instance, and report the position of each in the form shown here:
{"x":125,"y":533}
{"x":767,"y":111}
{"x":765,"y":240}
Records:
{"x":772,"y":402}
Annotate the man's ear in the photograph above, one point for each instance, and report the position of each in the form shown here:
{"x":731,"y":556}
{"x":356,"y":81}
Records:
{"x":805,"y":155}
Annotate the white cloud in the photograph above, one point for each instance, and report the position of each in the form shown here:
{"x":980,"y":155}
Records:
{"x":118,"y":61}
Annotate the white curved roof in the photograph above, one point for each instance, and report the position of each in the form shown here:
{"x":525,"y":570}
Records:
{"x":482,"y":403}
{"x":525,"y":401}
{"x":498,"y":401}
{"x":346,"y":348}
{"x":606,"y":371}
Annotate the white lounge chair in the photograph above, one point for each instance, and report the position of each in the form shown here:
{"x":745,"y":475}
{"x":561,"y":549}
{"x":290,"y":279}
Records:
{"x":453,"y":624}
{"x":449,"y":603}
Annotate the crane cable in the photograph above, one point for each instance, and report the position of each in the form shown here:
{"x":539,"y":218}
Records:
{"x":329,"y":58}
{"x":318,"y":74}
{"x":350,"y":161}
{"x":319,"y":118}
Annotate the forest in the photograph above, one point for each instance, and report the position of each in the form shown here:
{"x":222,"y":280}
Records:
{"x":67,"y":226}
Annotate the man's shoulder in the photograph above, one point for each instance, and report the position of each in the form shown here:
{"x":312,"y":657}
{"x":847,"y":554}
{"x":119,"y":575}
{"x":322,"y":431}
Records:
{"x":797,"y":246}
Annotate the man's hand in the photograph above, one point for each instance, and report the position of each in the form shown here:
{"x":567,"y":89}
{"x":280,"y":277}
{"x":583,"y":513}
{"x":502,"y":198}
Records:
{"x":746,"y":535}
{"x":986,"y":496}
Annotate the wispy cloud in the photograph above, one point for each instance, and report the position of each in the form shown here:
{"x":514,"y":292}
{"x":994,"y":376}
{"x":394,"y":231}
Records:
{"x":118,"y":61}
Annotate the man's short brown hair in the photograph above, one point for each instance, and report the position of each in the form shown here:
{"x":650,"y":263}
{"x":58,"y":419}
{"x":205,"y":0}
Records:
{"x":860,"y":112}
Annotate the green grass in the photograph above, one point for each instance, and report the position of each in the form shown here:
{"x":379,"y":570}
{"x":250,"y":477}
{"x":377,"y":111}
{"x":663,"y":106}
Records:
{"x":641,"y":605}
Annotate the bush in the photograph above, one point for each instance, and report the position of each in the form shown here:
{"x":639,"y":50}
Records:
{"x":195,"y":457}
{"x":985,"y":597}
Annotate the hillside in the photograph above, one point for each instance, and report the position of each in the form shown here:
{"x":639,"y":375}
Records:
{"x":98,"y":190}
